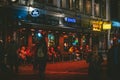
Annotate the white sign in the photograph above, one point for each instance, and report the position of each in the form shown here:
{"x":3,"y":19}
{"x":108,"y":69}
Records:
{"x":35,"y":13}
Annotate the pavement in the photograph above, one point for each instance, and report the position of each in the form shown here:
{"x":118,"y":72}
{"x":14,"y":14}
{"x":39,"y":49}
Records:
{"x":70,"y":70}
{"x":58,"y":67}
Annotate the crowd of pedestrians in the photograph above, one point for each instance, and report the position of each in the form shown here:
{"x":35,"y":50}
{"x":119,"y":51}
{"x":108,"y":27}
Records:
{"x":39,"y":54}
{"x":113,"y":60}
{"x":18,"y":55}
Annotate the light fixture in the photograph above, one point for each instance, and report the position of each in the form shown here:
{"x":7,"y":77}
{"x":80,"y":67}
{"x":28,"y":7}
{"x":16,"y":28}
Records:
{"x":13,"y":1}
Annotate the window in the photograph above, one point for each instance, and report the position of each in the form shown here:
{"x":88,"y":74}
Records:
{"x":55,"y":3}
{"x":52,"y":2}
{"x":88,"y":7}
{"x":22,"y":2}
{"x":77,"y":4}
{"x":81,"y":5}
{"x":103,"y":8}
{"x":96,"y":9}
{"x":63,"y":3}
{"x":71,"y":4}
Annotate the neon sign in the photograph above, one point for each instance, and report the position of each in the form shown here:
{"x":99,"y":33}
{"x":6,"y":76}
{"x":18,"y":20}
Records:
{"x":70,"y":20}
{"x":35,"y":13}
{"x":115,"y":24}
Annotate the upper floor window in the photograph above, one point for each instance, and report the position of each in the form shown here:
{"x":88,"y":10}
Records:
{"x":97,"y":9}
{"x":88,"y":7}
{"x":80,"y":5}
{"x":52,"y":2}
{"x":63,"y":3}
{"x":103,"y":8}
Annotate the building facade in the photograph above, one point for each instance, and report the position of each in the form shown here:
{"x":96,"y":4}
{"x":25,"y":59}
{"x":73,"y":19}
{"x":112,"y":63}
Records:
{"x":64,"y":22}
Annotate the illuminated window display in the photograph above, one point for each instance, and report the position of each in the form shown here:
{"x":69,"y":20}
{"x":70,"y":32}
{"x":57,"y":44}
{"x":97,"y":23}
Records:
{"x":51,"y":40}
{"x":70,"y":40}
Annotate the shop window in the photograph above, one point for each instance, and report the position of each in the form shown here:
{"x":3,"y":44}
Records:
{"x":51,"y":40}
{"x":70,"y":40}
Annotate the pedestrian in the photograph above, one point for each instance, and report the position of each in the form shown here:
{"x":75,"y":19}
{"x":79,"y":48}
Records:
{"x":113,"y":61}
{"x":1,"y":54}
{"x":94,"y":70}
{"x":41,"y":56}
{"x":12,"y":56}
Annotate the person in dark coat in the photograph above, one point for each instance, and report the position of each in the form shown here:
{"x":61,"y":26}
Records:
{"x":41,"y":56}
{"x":1,"y":54}
{"x":113,"y":61}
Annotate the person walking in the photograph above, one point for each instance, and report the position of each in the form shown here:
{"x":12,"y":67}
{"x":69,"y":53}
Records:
{"x":41,"y":56}
{"x":113,"y":61}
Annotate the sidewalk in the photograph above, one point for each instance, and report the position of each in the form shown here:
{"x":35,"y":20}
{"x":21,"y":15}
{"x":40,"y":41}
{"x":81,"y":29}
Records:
{"x":54,"y":71}
{"x":78,"y":67}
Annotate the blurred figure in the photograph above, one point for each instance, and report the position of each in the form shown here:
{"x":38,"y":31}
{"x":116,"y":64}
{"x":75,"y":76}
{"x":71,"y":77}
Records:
{"x":22,"y":54}
{"x":59,"y":55}
{"x":28,"y":55}
{"x":72,"y":53}
{"x":113,"y":61}
{"x":95,"y":60}
{"x":52,"y":54}
{"x":41,"y":56}
{"x":1,"y":54}
{"x":12,"y":56}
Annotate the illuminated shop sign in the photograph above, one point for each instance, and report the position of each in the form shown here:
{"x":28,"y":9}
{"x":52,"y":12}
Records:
{"x":106,"y":25}
{"x":35,"y":13}
{"x":70,"y":20}
{"x":115,"y":24}
{"x":96,"y":25}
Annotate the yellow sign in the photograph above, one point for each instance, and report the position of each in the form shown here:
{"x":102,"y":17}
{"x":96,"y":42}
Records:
{"x":106,"y":25}
{"x":96,"y":25}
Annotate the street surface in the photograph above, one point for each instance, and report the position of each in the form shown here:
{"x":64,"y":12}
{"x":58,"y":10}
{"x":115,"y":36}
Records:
{"x":77,"y":70}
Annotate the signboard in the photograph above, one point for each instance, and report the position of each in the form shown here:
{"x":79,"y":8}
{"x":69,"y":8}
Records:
{"x":115,"y":24}
{"x":96,"y":25}
{"x":70,"y":20}
{"x":106,"y":25}
{"x":35,"y":13}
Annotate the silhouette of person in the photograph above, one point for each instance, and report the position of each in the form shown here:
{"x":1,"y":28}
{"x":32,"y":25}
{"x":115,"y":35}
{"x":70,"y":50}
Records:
{"x":1,"y":54}
{"x":113,"y":61}
{"x":41,"y":56}
{"x":12,"y":56}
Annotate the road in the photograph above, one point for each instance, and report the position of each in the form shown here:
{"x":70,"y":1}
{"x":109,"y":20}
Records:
{"x":77,"y":70}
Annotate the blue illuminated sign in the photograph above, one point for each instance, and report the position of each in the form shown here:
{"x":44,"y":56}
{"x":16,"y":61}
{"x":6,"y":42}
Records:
{"x":70,"y":20}
{"x":115,"y":24}
{"x":35,"y":13}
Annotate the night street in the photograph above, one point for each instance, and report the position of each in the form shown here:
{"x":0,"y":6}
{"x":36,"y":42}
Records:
{"x":69,"y":34}
{"x":77,"y":70}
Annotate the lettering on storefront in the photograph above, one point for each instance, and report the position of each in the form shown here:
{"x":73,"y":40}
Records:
{"x":106,"y":25}
{"x":96,"y":25}
{"x":35,"y":13}
{"x":70,"y":20}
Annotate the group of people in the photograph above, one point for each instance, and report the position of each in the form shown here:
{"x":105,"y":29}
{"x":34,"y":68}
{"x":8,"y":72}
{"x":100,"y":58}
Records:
{"x":54,"y":54}
{"x":95,"y":61}
{"x":40,"y":57}
{"x":16,"y":55}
